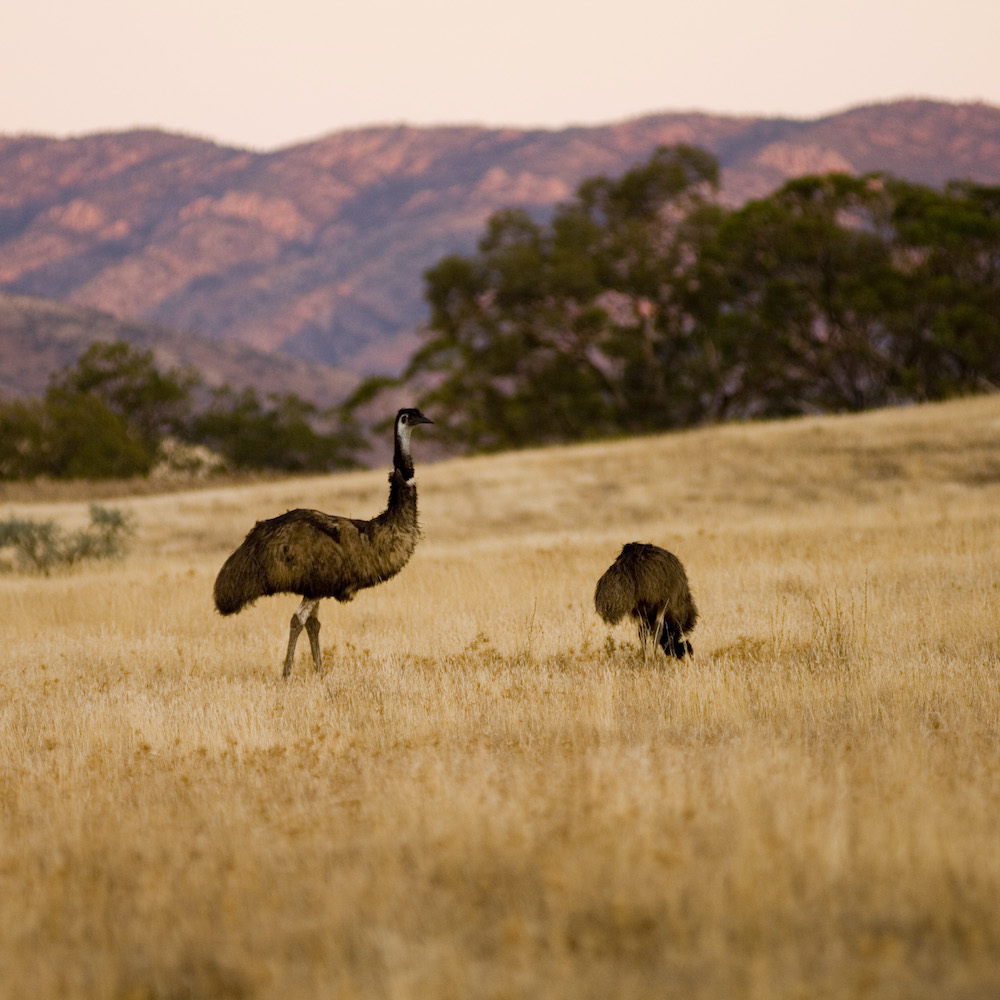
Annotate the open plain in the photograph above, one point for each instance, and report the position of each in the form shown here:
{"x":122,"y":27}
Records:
{"x":488,"y":793}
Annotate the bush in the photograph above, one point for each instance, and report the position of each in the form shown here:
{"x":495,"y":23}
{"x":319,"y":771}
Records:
{"x":114,"y":416}
{"x":41,"y":546}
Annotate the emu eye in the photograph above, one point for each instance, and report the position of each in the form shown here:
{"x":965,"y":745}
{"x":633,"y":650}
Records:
{"x":403,"y":418}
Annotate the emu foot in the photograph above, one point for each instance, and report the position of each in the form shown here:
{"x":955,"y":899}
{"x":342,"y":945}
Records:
{"x":676,"y":647}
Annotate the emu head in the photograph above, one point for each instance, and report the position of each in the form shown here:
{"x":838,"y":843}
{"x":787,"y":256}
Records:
{"x":406,"y":420}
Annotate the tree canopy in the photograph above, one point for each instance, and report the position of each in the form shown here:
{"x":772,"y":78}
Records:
{"x":644,"y":304}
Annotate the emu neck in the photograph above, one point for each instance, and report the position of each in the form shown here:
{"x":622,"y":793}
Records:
{"x":401,"y":511}
{"x":402,"y":492}
{"x":402,"y":488}
{"x":401,"y":461}
{"x":396,"y":528}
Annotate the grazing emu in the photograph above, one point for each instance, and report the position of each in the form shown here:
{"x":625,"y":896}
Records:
{"x":321,"y":555}
{"x":649,"y":583}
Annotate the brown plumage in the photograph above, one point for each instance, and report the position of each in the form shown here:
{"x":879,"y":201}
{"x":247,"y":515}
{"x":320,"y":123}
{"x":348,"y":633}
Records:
{"x":319,"y":555}
{"x":649,"y":583}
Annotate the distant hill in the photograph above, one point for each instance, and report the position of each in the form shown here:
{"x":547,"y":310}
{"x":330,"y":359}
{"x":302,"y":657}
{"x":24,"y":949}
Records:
{"x":317,"y":251}
{"x":38,"y":338}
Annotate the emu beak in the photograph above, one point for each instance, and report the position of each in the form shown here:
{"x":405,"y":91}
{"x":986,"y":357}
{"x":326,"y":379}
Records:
{"x":421,"y":419}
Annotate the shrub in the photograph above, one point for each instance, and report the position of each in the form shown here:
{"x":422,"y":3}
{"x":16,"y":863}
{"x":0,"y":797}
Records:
{"x":41,"y":546}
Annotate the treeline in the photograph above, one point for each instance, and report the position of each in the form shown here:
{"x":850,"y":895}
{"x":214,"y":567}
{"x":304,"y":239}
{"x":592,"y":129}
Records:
{"x":644,"y":303}
{"x":114,"y":414}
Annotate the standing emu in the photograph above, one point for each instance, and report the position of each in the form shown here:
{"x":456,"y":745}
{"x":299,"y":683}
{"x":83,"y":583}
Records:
{"x":321,"y":555}
{"x":649,"y":583}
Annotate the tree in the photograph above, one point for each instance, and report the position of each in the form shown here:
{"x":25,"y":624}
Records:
{"x":250,"y":435}
{"x":22,"y":436}
{"x":946,"y":244}
{"x":562,"y":331}
{"x":152,"y":403}
{"x":68,"y":435}
{"x":795,"y":296}
{"x":644,"y":304}
{"x":85,"y":439}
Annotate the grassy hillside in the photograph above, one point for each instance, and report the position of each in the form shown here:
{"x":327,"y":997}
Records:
{"x":490,"y":794}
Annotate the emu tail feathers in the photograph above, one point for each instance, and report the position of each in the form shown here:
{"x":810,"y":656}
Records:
{"x":239,"y":583}
{"x":614,"y":597}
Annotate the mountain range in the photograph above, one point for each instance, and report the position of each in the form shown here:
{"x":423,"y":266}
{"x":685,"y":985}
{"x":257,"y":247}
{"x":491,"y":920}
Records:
{"x":300,"y":269}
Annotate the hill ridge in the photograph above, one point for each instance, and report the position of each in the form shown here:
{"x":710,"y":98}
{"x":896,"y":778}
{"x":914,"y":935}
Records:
{"x":41,"y":337}
{"x":316,"y":250}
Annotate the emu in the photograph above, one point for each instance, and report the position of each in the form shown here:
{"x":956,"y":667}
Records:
{"x":317,"y":555}
{"x":649,"y":583}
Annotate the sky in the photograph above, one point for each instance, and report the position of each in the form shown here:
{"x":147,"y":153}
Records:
{"x":263,"y":74}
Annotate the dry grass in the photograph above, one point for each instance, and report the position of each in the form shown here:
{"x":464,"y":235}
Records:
{"x":489,"y":795}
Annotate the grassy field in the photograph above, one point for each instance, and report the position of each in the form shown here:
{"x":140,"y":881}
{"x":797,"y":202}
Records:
{"x":489,"y":794}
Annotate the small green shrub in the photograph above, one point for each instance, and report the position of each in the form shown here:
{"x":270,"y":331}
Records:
{"x":41,"y":546}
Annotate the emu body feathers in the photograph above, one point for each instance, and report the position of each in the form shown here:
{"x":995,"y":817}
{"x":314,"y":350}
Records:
{"x":650,"y":584}
{"x":317,"y":555}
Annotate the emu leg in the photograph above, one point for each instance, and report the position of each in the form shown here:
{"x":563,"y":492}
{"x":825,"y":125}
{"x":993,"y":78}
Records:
{"x":312,"y":627}
{"x":671,"y":643}
{"x":293,"y":637}
{"x":301,"y":616}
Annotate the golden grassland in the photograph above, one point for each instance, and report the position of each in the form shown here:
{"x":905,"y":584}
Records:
{"x":489,"y":794}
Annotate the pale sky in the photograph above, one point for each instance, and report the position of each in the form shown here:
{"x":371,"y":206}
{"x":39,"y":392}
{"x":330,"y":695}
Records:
{"x":264,"y":74}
